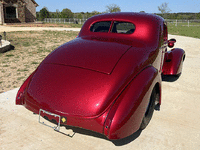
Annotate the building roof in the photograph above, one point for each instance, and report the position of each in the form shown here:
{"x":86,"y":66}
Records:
{"x":35,"y":2}
{"x":2,"y":1}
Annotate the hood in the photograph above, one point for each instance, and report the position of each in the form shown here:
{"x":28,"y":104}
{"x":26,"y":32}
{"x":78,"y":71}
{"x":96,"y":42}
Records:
{"x":88,"y":54}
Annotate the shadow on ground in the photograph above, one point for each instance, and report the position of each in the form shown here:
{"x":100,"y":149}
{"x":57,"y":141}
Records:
{"x":170,"y":78}
{"x":119,"y":142}
{"x":128,"y":139}
{"x":10,"y":49}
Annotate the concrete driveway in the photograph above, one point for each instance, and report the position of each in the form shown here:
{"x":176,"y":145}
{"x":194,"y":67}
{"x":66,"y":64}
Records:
{"x":175,"y":126}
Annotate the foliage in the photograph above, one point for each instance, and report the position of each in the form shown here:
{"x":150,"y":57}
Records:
{"x":44,"y":13}
{"x":85,"y":15}
{"x":57,"y":13}
{"x":79,"y":16}
{"x":113,"y":8}
{"x":181,"y":16}
{"x":66,"y":13}
{"x":163,"y":8}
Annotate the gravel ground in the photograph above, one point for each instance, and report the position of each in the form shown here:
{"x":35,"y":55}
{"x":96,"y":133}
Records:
{"x":176,"y":126}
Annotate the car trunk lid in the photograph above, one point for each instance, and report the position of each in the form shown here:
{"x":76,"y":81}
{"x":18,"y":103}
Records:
{"x":88,"y":54}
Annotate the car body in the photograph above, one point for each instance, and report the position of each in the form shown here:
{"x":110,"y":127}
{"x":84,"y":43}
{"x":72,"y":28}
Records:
{"x":108,"y":79}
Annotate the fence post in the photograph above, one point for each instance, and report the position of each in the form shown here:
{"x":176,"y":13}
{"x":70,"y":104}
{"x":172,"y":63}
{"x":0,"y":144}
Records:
{"x":176,"y":23}
{"x":188,"y":23}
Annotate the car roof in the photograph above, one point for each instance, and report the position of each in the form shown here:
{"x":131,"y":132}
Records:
{"x":147,"y":26}
{"x":127,"y":15}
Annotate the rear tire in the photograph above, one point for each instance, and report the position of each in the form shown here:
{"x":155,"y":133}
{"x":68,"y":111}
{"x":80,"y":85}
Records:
{"x":150,"y":109}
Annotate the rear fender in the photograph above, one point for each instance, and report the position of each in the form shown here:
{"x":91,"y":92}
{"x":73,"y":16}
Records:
{"x":125,"y":116}
{"x":20,"y":93}
{"x":173,"y":62}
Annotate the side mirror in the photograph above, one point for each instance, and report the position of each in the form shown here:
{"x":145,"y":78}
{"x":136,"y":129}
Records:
{"x":171,"y":43}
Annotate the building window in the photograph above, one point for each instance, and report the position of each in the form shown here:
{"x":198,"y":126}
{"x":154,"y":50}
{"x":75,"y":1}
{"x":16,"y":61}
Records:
{"x":11,"y":12}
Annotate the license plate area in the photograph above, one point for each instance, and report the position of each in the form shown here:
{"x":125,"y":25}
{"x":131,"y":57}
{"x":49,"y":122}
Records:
{"x":51,"y":117}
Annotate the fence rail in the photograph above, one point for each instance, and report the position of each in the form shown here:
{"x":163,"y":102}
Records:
{"x":64,"y":20}
{"x":188,"y":23}
{"x":175,"y":22}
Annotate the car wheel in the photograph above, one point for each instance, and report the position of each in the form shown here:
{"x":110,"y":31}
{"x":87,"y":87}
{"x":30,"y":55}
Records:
{"x":150,"y":109}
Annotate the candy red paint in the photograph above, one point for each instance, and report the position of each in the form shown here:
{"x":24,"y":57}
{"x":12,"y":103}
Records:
{"x":102,"y":81}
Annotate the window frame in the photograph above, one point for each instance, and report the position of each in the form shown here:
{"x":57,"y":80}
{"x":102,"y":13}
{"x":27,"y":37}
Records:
{"x":111,"y":26}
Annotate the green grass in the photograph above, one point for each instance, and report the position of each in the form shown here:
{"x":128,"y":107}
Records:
{"x":34,"y":62}
{"x":26,"y":44}
{"x":22,"y":70}
{"x":20,"y":78}
{"x":75,"y":25}
{"x":5,"y":65}
{"x":69,"y":25}
{"x":192,"y":31}
{"x":10,"y":55}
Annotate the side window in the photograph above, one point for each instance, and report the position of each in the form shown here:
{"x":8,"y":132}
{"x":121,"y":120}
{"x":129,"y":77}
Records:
{"x":123,"y":27}
{"x":102,"y":26}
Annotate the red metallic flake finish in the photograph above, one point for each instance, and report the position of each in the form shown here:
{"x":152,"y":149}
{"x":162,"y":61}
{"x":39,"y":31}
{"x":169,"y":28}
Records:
{"x":108,"y":79}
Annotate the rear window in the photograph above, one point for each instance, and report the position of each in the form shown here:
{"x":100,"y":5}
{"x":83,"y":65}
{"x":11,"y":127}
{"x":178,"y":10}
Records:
{"x":123,"y":27}
{"x":118,"y":27}
{"x":102,"y":26}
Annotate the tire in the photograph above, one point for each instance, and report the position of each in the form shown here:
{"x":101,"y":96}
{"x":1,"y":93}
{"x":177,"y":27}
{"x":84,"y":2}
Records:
{"x":150,"y":109}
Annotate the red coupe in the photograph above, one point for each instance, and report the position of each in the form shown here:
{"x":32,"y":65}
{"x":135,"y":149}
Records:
{"x":108,"y":79}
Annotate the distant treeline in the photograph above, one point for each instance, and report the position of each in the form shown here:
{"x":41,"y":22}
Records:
{"x":181,"y":16}
{"x":66,"y":13}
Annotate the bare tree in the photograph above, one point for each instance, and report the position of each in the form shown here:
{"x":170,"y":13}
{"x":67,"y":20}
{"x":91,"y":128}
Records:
{"x":113,"y":8}
{"x":163,"y":8}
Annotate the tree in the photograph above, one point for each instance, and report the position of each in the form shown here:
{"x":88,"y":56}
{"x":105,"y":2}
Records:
{"x":57,"y":14}
{"x":198,"y":15}
{"x":44,"y":13}
{"x":95,"y":12}
{"x":113,"y":8}
{"x":66,"y":13}
{"x":80,"y":16}
{"x":163,"y":8}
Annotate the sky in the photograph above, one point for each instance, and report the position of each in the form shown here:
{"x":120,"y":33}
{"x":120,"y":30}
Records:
{"x":149,"y":6}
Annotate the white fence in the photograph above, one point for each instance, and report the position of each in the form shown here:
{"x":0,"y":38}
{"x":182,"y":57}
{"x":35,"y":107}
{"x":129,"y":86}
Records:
{"x":188,"y":23}
{"x":81,"y":21}
{"x":64,"y":20}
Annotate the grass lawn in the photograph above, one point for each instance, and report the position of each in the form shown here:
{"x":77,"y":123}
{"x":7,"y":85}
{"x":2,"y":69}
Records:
{"x":31,"y":47}
{"x":71,"y":25}
{"x":192,"y":31}
{"x":66,"y":25}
